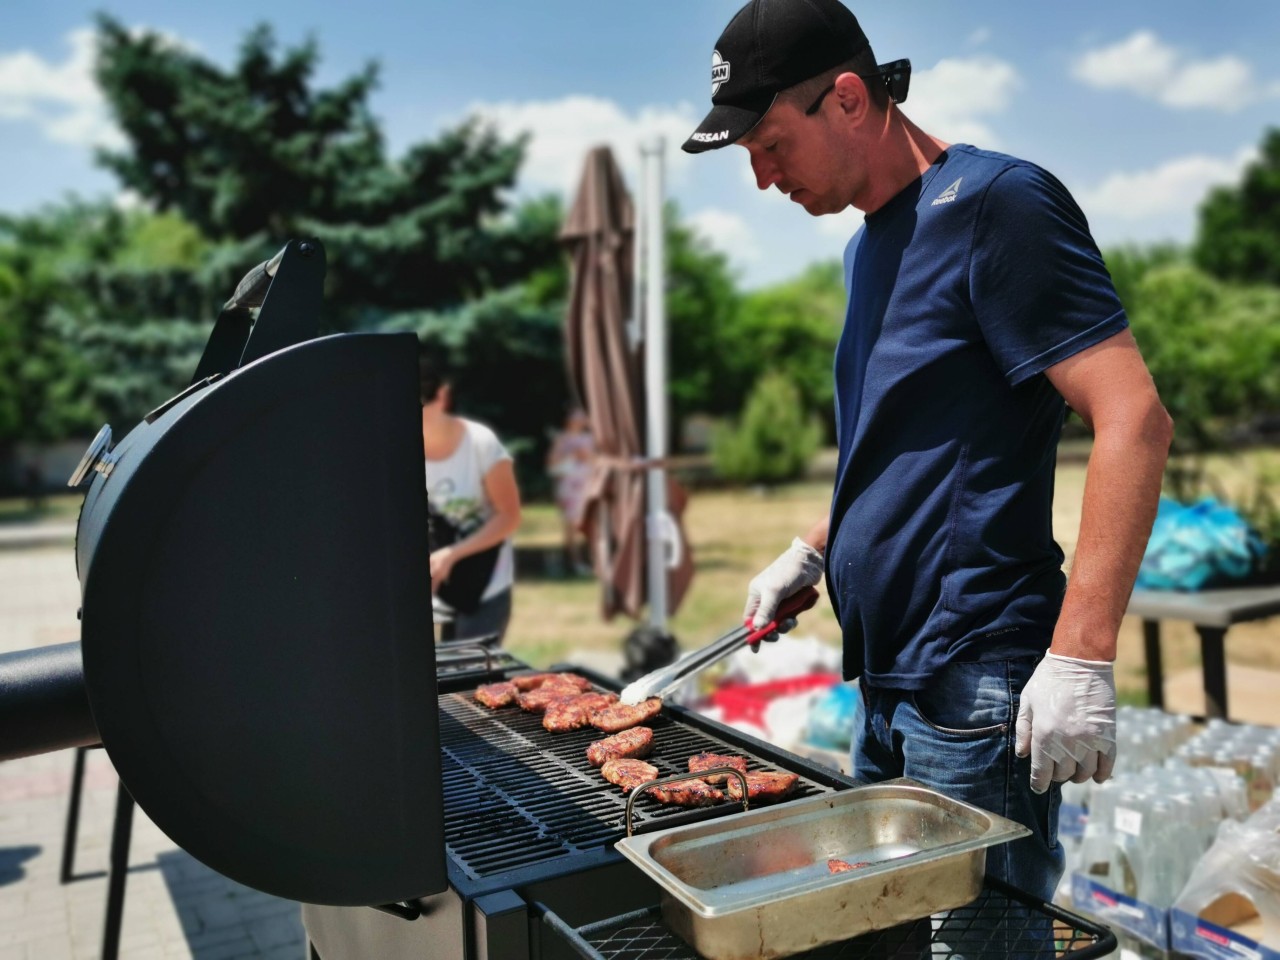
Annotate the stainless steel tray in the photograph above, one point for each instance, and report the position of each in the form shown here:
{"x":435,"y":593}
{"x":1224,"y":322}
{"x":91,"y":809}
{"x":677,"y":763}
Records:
{"x":758,"y":885}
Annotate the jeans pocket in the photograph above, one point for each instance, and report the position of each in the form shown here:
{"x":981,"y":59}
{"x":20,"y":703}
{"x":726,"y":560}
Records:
{"x":969,"y":700}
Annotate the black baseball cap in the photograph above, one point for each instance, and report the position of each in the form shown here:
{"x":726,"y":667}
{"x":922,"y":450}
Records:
{"x":768,"y":46}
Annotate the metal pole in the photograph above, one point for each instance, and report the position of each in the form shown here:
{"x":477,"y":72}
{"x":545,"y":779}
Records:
{"x":635,"y":322}
{"x":655,"y":381}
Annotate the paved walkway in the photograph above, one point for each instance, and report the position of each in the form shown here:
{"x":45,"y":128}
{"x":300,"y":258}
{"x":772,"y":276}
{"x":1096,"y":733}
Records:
{"x":175,"y":907}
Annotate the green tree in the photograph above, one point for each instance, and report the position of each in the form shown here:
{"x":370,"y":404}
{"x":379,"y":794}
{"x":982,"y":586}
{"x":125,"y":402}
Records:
{"x":256,"y":154}
{"x":793,"y":327}
{"x":774,"y":440}
{"x":1213,"y":350}
{"x":702,"y":305}
{"x":1239,"y":235}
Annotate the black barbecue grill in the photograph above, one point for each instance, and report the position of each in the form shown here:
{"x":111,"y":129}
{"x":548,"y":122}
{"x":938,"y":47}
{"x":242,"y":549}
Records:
{"x":257,"y":659}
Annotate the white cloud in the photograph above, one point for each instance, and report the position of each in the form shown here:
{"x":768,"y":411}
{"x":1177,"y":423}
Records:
{"x":1146,"y":66}
{"x":728,"y":233}
{"x":61,"y":99}
{"x":563,"y":130}
{"x":1173,"y":189}
{"x":979,"y":36}
{"x":954,"y":99}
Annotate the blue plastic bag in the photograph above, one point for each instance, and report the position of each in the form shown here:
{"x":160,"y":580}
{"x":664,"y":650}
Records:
{"x":831,"y":717}
{"x":1201,"y":545}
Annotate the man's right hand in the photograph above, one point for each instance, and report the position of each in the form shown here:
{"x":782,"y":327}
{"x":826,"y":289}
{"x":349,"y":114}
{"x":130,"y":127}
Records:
{"x":799,"y":567}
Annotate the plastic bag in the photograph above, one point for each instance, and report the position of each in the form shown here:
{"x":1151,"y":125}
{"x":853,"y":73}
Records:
{"x":1245,"y":860}
{"x":830,"y":722}
{"x":1198,"y":546}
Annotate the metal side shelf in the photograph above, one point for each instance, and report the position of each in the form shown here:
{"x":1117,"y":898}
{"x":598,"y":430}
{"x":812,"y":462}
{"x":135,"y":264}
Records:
{"x":1002,"y":923}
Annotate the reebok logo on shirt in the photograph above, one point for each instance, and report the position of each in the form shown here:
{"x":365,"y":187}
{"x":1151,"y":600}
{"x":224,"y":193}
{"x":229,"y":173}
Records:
{"x":949,"y":194}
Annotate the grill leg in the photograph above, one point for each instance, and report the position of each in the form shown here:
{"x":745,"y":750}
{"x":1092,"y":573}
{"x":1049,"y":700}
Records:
{"x":119,"y":872}
{"x":73,"y":817}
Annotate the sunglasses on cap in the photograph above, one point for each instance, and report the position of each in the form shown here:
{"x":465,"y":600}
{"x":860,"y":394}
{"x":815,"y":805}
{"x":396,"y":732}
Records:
{"x":897,"y":77}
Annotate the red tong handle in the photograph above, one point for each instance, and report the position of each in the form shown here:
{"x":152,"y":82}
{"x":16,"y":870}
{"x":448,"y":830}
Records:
{"x":794,"y":605}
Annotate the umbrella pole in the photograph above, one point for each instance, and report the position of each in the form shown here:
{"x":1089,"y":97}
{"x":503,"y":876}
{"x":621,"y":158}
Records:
{"x":655,"y":376}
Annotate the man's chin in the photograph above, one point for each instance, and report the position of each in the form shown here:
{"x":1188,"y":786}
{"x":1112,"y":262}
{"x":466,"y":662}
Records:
{"x":811,"y":202}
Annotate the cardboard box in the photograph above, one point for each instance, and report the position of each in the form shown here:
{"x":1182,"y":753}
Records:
{"x":1228,"y":929}
{"x":1147,"y":923}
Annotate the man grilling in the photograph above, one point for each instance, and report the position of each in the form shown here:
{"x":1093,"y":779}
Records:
{"x":979,"y":308}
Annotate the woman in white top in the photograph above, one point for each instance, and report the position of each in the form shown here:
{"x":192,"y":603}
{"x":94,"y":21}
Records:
{"x":471,"y":483}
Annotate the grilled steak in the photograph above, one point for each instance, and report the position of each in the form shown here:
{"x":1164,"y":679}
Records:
{"x":628,"y":745}
{"x":764,"y":786}
{"x":843,"y":866}
{"x":535,"y":701}
{"x":532,"y":681}
{"x":628,"y":774}
{"x":619,"y":716}
{"x":706,"y":761}
{"x":687,"y":793}
{"x":495,"y":695}
{"x":574,"y":713}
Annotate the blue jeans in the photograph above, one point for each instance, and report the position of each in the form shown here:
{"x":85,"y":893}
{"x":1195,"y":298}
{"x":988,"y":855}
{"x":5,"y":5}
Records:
{"x":957,"y":737}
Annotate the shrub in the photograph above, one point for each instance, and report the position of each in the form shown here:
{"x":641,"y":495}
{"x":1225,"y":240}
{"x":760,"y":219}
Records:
{"x":773,"y":442}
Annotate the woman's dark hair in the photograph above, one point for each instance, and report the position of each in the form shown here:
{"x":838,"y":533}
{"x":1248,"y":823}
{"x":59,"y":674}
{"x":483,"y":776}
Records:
{"x":431,"y":377}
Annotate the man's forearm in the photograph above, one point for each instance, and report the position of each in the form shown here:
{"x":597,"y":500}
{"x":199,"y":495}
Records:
{"x":1121,"y":494}
{"x":817,"y":535}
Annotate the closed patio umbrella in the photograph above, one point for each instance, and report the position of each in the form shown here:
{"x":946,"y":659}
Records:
{"x":607,"y":373}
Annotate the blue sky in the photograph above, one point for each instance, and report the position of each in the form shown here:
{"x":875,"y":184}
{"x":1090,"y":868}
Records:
{"x":1138,"y":107}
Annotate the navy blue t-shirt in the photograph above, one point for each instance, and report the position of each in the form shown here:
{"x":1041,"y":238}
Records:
{"x":963,"y":289}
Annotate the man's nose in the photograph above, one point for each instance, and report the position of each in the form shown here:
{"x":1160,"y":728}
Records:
{"x":765,"y":170}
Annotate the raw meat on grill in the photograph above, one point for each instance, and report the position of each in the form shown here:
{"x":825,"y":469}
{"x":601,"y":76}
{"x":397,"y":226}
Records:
{"x":687,"y":793}
{"x":574,"y":713}
{"x":620,"y":716}
{"x":630,"y":744}
{"x":844,"y":866}
{"x":764,"y":786}
{"x":532,"y":681}
{"x":628,"y":774}
{"x":536,"y":701}
{"x":495,"y":695}
{"x":707,"y":761}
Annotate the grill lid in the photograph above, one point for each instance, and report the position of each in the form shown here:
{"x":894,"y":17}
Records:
{"x":257,"y":616}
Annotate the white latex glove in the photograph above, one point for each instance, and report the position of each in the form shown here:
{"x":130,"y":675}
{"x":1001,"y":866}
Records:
{"x":798,"y":567}
{"x":1067,"y":721}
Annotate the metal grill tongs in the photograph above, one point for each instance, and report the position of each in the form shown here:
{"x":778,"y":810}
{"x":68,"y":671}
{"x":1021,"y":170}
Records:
{"x":665,"y":679}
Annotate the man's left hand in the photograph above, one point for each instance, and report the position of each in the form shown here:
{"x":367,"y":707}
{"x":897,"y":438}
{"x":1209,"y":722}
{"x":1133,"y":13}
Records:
{"x":1067,"y":721}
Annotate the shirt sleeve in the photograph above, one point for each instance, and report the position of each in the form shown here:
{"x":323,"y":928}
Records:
{"x":489,"y":449}
{"x":1040,"y":290}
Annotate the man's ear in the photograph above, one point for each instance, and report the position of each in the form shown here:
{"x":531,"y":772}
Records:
{"x":852,"y":95}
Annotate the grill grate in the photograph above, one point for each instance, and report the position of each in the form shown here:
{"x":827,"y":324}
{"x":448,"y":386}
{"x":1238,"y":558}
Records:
{"x":1000,"y":924}
{"x":516,"y":795}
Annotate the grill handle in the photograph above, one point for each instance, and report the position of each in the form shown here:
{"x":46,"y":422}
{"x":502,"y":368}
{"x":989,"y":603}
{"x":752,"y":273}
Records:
{"x":445,"y":653}
{"x":677,"y":778}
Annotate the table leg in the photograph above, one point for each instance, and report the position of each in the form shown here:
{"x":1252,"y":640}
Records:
{"x":1155,"y":665}
{"x":1214,"y":659}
